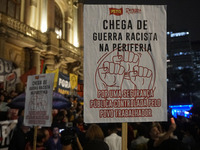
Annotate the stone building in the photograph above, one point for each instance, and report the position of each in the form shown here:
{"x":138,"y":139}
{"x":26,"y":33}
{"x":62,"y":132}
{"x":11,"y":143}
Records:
{"x":36,"y":32}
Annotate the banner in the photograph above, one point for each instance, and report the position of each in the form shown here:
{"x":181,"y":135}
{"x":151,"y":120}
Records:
{"x":63,"y":86}
{"x":125,"y":63}
{"x":6,"y":132}
{"x":73,"y":81}
{"x":25,"y":75}
{"x":56,"y":72}
{"x":80,"y":88}
{"x":39,"y":97}
{"x":6,"y":67}
{"x":12,"y":79}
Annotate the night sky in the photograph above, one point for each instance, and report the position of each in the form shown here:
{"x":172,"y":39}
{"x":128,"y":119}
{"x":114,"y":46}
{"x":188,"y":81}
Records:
{"x":181,"y":14}
{"x":185,"y":15}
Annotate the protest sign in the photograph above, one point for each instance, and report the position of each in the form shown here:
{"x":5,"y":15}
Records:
{"x":63,"y":86}
{"x":6,"y":67}
{"x":125,"y":63}
{"x":39,"y":97}
{"x":12,"y":79}
{"x":56,"y":72}
{"x":73,"y":80}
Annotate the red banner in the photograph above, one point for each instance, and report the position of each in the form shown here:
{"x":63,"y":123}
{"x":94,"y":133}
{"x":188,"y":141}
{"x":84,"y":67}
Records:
{"x":25,"y":75}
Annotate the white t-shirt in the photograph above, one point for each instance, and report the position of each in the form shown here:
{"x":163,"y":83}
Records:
{"x":114,"y":141}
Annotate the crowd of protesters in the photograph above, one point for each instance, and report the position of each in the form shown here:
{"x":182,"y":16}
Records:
{"x":69,"y":132}
{"x":5,"y":112}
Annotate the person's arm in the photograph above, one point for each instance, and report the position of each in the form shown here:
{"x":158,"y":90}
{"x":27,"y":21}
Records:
{"x":79,"y":144}
{"x":165,"y":136}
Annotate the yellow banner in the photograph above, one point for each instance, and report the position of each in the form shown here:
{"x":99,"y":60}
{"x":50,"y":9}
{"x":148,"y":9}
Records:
{"x":73,"y":80}
{"x":56,"y":71}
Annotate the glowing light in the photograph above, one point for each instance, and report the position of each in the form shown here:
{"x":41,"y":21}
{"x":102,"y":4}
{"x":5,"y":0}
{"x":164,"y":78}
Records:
{"x":181,"y":110}
{"x":59,"y":33}
{"x":29,"y":34}
{"x":179,"y":106}
{"x":43,"y":27}
{"x":178,"y":34}
{"x":76,"y":43}
{"x":43,"y":21}
{"x":75,"y":34}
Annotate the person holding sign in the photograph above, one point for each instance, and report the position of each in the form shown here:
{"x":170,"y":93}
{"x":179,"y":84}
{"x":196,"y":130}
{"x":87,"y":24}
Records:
{"x":162,"y":141}
{"x":40,"y":141}
{"x":20,"y":136}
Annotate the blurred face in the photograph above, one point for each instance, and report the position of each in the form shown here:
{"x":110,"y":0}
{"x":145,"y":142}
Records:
{"x":54,"y":112}
{"x":154,"y":133}
{"x":55,"y":132}
{"x":71,"y":99}
{"x":25,"y":129}
{"x":46,"y":132}
{"x":1,"y":98}
{"x":65,"y":119}
{"x":13,"y":113}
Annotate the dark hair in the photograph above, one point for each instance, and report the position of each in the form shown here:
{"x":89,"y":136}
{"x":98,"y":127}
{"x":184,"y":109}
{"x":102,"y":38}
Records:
{"x":68,"y":136}
{"x":94,"y":132}
{"x":55,"y":125}
{"x":142,"y":130}
{"x":40,"y":135}
{"x":59,"y":117}
{"x":112,"y":127}
{"x":97,"y":145}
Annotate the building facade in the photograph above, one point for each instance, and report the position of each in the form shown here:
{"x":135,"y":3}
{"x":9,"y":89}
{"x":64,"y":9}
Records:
{"x":35,"y":32}
{"x":183,"y":68}
{"x":179,"y":60}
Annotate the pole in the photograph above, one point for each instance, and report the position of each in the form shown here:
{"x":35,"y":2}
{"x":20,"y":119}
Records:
{"x":36,"y":63}
{"x":35,"y":137}
{"x":124,"y":135}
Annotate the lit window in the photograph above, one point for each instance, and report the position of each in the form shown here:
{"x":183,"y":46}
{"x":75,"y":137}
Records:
{"x":58,"y":22}
{"x":59,"y":33}
{"x":179,"y":67}
{"x":179,"y":34}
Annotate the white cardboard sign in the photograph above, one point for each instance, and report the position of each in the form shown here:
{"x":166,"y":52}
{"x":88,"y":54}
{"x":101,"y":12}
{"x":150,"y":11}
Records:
{"x":39,"y":97}
{"x":125,"y":63}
